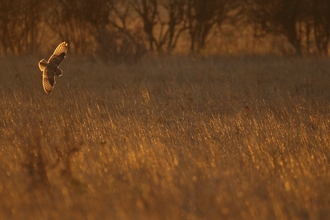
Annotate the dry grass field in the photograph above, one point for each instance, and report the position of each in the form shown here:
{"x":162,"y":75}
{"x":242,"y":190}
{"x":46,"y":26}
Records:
{"x":168,"y":138}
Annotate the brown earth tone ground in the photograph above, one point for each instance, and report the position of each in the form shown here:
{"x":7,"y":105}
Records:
{"x":168,"y":138}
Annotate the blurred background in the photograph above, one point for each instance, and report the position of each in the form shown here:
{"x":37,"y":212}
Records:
{"x":121,"y":30}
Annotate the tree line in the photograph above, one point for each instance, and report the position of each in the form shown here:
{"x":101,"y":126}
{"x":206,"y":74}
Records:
{"x":122,"y":29}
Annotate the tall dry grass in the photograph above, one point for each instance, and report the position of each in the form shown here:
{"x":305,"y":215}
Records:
{"x":169,"y":138}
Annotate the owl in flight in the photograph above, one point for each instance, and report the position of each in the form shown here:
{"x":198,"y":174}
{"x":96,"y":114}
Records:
{"x":50,"y":68}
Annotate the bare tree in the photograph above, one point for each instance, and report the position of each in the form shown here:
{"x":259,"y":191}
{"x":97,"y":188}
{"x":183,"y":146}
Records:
{"x":320,"y":15}
{"x":125,"y":29}
{"x":122,"y":19}
{"x":78,"y":22}
{"x":147,"y":11}
{"x":203,"y":16}
{"x":278,"y":17}
{"x":173,"y":25}
{"x":163,"y":22}
{"x":120,"y":40}
{"x":19,"y":26}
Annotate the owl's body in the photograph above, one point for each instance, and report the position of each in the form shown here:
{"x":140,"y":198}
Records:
{"x":50,"y":68}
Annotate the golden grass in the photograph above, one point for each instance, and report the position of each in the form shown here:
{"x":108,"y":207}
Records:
{"x":169,"y":138}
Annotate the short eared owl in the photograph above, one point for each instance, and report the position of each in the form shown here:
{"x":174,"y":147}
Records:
{"x":50,"y":68}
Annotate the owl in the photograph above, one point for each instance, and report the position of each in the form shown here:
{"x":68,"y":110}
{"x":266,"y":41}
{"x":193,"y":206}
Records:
{"x":50,"y":68}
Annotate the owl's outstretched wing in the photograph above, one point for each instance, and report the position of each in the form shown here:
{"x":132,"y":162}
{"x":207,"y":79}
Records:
{"x":48,"y":80}
{"x":59,"y":53}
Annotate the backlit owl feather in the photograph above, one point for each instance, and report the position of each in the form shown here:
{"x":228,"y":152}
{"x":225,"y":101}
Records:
{"x":50,"y":68}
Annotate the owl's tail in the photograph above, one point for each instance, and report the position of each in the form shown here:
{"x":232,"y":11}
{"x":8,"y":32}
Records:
{"x":43,"y":64}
